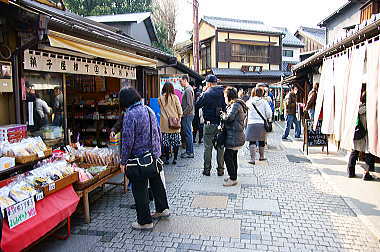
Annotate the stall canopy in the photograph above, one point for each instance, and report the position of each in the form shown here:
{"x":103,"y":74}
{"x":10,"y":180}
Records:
{"x":98,"y":50}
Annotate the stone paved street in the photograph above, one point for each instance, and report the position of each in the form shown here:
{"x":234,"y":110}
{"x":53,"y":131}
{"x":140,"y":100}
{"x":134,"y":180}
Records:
{"x":278,"y":205}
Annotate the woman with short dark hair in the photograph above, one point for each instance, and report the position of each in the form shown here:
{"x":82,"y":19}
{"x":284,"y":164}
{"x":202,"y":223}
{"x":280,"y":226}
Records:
{"x":170,"y":108}
{"x":234,"y":123}
{"x":141,"y":134}
{"x":255,"y":132}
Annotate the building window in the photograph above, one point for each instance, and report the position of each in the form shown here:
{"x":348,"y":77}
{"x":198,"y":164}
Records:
{"x":250,"y":53}
{"x":370,"y":8}
{"x":206,"y":57}
{"x":287,"y":53}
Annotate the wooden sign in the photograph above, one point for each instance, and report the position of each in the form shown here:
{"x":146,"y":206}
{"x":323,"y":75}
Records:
{"x":251,"y":69}
{"x":57,"y":63}
{"x":21,"y":212}
{"x":314,"y":138}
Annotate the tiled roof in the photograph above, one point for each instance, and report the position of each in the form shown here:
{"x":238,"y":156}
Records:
{"x":242,"y":25}
{"x":335,"y":13}
{"x":315,"y":33}
{"x":239,"y":73}
{"x":129,"y":17}
{"x":290,"y":39}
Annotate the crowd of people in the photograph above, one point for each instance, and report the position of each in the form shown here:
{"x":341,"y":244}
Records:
{"x":224,"y":118}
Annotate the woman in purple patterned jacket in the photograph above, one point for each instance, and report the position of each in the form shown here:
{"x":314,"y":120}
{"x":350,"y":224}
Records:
{"x":136,"y":141}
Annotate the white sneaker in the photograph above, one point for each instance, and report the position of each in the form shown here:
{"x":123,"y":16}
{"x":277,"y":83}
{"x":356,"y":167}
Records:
{"x":137,"y":226}
{"x":226,"y":179}
{"x":230,"y":182}
{"x":164,"y":214}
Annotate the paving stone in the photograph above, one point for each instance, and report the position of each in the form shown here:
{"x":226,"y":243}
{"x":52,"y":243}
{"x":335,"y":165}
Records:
{"x":209,"y":202}
{"x":264,"y":205}
{"x":200,"y":226}
{"x":210,"y":185}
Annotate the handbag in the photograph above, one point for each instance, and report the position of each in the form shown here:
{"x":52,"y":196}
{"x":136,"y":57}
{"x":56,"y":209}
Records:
{"x":145,"y":166}
{"x":220,"y":137}
{"x":267,"y":125}
{"x":360,"y":131}
{"x":174,"y":123}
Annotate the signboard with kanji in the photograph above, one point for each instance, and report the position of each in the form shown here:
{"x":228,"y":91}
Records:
{"x":49,"y":62}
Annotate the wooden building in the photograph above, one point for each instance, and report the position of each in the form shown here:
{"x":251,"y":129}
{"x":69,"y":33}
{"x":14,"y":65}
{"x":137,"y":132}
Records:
{"x":313,"y":39}
{"x":238,"y":52}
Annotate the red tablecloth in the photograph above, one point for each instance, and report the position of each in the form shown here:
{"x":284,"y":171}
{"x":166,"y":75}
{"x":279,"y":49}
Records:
{"x":50,"y":212}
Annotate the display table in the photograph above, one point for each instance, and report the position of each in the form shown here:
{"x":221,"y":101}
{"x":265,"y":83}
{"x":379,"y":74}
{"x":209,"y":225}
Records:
{"x":51,"y":211}
{"x":84,"y":193}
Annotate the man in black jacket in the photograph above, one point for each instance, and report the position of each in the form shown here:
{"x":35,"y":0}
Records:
{"x":212,"y":102}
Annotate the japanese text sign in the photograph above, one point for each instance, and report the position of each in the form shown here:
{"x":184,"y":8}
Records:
{"x":48,"y":62}
{"x":20,"y":212}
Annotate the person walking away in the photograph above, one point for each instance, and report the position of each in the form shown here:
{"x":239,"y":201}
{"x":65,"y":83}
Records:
{"x":188,"y":116}
{"x":58,"y":107}
{"x":141,"y":134}
{"x":43,"y":111}
{"x":361,"y":145}
{"x":197,"y":122}
{"x":212,"y":103}
{"x":311,"y":101}
{"x":234,"y":121}
{"x":170,"y":108}
{"x":258,"y":108}
{"x":291,"y":118}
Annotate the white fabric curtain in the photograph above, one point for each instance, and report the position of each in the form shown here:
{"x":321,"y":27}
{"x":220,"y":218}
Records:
{"x":373,"y":78}
{"x":341,"y":68}
{"x":328,"y":100}
{"x":353,"y":101}
{"x":322,"y":81}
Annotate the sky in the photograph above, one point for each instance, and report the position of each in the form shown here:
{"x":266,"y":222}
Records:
{"x":286,"y":13}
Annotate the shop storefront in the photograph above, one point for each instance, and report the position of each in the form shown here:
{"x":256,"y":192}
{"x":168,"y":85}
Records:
{"x":60,"y":87}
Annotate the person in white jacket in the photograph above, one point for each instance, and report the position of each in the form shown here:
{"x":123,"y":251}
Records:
{"x":255,"y":132}
{"x":43,"y":110}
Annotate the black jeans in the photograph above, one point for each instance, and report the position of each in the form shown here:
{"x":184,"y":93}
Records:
{"x":197,"y":129}
{"x":230,"y":158}
{"x":369,"y":160}
{"x":141,"y":196}
{"x":261,"y":143}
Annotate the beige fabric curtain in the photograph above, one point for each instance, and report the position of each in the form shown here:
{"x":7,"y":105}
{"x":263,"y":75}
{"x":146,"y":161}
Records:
{"x":373,"y":78}
{"x":353,"y":101}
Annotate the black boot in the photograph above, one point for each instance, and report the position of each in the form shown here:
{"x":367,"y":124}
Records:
{"x":166,"y":151}
{"x":352,"y":163}
{"x":175,"y":150}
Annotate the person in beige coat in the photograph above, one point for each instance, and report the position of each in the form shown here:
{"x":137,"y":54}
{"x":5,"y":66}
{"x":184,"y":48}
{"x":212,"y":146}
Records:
{"x":170,"y":108}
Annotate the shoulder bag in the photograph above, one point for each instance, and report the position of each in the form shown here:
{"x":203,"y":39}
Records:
{"x":360,"y":131}
{"x":145,"y":166}
{"x":267,"y":125}
{"x":220,"y":138}
{"x":174,"y":122}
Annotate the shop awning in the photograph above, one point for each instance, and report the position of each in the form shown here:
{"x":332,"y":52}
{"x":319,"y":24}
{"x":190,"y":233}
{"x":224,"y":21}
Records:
{"x":98,"y":50}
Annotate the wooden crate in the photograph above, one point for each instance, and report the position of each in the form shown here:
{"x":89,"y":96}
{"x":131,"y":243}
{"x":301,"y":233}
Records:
{"x":60,"y":184}
{"x":31,"y":158}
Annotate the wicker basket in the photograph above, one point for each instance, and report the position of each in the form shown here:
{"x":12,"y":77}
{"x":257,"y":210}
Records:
{"x":31,"y":158}
{"x":79,"y":186}
{"x":114,"y":168}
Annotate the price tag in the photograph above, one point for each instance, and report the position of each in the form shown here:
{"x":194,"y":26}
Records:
{"x":40,"y":154}
{"x":51,"y":186}
{"x":81,"y":106}
{"x":39,"y":196}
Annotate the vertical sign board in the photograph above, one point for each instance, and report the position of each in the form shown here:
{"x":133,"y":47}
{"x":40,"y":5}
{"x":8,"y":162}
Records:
{"x":314,"y":138}
{"x":21,"y":212}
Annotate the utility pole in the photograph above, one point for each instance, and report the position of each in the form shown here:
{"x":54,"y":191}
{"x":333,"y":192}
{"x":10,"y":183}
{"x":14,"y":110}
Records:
{"x":196,"y":57}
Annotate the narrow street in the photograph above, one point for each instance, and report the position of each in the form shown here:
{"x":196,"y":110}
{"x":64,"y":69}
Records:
{"x":284,"y":204}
